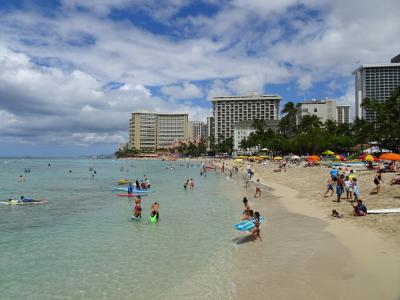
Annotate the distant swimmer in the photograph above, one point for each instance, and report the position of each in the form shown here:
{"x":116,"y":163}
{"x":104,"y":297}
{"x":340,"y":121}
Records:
{"x":191,"y":183}
{"x":49,"y":165}
{"x":70,"y":171}
{"x":21,"y":178}
{"x":186,"y":184}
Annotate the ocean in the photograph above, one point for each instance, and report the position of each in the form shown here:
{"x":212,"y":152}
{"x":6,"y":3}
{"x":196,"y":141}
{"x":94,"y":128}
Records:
{"x":83,"y":244}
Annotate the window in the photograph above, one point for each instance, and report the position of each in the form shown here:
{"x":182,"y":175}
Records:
{"x":305,"y":110}
{"x":315,"y":110}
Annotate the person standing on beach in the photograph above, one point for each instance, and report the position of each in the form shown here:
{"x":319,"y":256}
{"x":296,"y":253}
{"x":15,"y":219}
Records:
{"x":356,"y":189}
{"x":377,"y":182}
{"x":348,"y":187}
{"x":247,"y":207}
{"x":256,"y":231}
{"x":258,"y":189}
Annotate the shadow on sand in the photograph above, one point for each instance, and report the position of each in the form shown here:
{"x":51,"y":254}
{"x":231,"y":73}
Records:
{"x":243,"y":240}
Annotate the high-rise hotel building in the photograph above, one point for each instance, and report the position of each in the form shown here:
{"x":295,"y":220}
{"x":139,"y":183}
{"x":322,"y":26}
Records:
{"x":157,"y":131}
{"x":229,"y":110}
{"x":375,"y":82}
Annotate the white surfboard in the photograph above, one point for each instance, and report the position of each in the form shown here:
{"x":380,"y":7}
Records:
{"x":384,"y":211}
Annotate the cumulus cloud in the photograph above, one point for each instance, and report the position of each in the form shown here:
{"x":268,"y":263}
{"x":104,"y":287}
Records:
{"x":185,"y":91}
{"x":304,"y":82}
{"x":55,"y":70}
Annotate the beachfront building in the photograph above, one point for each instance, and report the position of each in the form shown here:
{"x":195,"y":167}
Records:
{"x":150,"y":131}
{"x":375,"y":81}
{"x":229,"y":110}
{"x":210,"y":129}
{"x":343,"y":113}
{"x":326,"y":110}
{"x":243,"y":129}
{"x":197,"y":130}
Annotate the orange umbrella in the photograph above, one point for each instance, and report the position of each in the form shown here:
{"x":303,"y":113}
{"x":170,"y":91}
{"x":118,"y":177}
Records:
{"x":313,"y":157}
{"x":390,"y":156}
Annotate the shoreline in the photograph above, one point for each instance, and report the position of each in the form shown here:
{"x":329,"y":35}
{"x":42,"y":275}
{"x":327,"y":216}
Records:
{"x":365,"y":262}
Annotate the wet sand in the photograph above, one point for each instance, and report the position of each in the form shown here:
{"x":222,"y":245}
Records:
{"x":306,"y":255}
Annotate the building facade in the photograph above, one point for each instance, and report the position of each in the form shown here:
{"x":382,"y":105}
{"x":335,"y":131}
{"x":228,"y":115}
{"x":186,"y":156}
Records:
{"x":243,"y":129}
{"x":197,"y":130}
{"x":229,"y":110}
{"x":375,"y":82}
{"x":343,"y":113}
{"x":326,"y":110}
{"x":157,"y":131}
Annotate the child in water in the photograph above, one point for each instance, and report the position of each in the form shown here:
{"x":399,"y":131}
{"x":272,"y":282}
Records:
{"x":256,"y":231}
{"x":137,"y":211}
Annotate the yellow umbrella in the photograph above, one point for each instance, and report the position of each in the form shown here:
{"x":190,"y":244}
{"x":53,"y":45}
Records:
{"x":277,"y":158}
{"x":328,"y":152}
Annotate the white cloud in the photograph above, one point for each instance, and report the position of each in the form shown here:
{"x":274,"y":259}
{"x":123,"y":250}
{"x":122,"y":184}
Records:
{"x":304,"y":82}
{"x":53,"y":69}
{"x":185,"y":91}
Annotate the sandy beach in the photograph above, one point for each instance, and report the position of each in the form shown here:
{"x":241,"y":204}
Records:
{"x":322,"y":257}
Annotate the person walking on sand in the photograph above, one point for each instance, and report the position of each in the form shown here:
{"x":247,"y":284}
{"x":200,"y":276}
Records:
{"x":377,"y":182}
{"x":329,"y":187}
{"x":258,"y":189}
{"x":247,"y":207}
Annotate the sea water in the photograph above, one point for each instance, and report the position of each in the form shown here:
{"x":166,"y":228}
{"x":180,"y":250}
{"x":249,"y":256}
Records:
{"x":84,"y":245}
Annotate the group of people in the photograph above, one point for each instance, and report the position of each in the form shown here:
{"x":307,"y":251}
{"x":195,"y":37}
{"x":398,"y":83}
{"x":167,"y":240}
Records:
{"x":250,"y":215}
{"x":347,"y":182}
{"x":154,"y":210}
{"x":343,"y":182}
{"x":189,"y":184}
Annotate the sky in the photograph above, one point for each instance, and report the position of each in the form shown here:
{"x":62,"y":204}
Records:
{"x":72,"y":71}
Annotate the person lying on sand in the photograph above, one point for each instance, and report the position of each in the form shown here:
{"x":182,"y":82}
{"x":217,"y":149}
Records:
{"x":395,"y":180}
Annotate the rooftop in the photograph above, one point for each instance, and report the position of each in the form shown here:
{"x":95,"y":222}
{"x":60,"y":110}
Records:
{"x":246,"y":97}
{"x":366,"y":66}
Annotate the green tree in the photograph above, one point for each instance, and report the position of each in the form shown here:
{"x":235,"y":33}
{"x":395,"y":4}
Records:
{"x":387,"y":125}
{"x":288,"y":124}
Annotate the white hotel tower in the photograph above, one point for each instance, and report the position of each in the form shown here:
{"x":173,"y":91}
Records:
{"x":229,"y":110}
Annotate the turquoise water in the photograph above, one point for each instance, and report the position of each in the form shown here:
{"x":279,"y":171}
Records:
{"x":83,"y":245}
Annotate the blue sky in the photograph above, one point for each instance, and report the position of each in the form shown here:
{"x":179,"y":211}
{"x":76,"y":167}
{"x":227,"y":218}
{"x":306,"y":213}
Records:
{"x":72,"y":71}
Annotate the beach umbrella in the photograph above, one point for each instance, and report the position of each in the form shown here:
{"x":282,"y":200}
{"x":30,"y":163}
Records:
{"x":295,"y":157}
{"x":314,"y":157}
{"x":264,"y":149}
{"x":278,"y":158}
{"x":370,"y":157}
{"x":328,"y":152}
{"x":340,"y":157}
{"x":390,"y":156}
